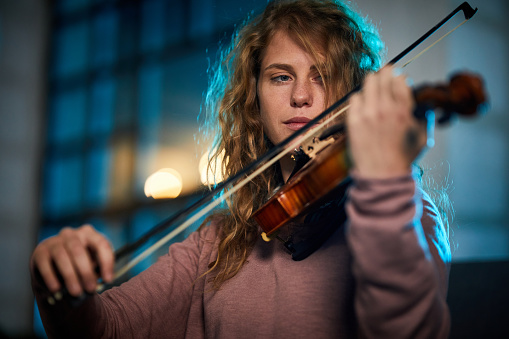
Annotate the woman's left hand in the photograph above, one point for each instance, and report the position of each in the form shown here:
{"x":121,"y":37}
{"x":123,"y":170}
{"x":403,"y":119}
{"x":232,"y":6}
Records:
{"x":384,"y":137}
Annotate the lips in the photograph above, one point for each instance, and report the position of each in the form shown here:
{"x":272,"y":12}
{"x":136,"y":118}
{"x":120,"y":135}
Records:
{"x":296,"y":123}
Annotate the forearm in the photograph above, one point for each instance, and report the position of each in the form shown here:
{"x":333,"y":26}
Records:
{"x":153,"y":304}
{"x":400,"y":283}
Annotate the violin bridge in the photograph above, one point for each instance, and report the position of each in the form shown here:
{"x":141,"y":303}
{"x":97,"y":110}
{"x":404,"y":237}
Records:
{"x":313,"y":146}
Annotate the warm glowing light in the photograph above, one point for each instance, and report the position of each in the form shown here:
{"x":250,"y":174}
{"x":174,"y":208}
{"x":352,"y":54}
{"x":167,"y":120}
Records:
{"x":210,"y":175}
{"x":164,"y":184}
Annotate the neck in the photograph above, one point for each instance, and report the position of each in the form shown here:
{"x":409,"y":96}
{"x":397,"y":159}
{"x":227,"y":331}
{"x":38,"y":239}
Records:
{"x":287,"y":165}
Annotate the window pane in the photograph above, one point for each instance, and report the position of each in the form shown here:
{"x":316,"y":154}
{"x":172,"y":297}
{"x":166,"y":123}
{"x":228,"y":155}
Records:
{"x":126,"y":98}
{"x":150,"y":100}
{"x":71,"y":50}
{"x":105,"y":38}
{"x":128,"y":32}
{"x":150,"y":89}
{"x":202,"y":17}
{"x":98,"y":171}
{"x":184,"y":81}
{"x":231,"y":12}
{"x":67,"y":116}
{"x":152,"y":25}
{"x":175,"y":25}
{"x":102,"y":106}
{"x":63,"y":186}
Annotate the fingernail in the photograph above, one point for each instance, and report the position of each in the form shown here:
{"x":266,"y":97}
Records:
{"x":396,"y":71}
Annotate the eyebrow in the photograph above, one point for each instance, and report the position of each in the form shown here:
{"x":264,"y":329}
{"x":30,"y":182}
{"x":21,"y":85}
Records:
{"x":286,"y":67}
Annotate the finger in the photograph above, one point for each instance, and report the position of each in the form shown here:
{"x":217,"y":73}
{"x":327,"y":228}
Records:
{"x":370,"y":95}
{"x":103,"y":252}
{"x":65,"y":268}
{"x":355,"y":103}
{"x":41,"y":262}
{"x":81,"y":262}
{"x":386,"y":98}
{"x":402,"y":93}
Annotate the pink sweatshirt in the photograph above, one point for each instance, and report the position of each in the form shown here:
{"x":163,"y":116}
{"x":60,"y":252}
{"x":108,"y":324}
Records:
{"x":382,"y":275}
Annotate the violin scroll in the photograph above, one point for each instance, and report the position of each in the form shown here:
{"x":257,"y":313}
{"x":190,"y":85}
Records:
{"x":464,"y":95}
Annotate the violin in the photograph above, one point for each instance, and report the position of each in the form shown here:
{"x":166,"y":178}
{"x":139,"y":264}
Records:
{"x":464,"y":95}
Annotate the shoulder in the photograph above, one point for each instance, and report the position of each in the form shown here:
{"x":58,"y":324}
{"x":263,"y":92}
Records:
{"x":199,"y":243}
{"x":435,"y":228}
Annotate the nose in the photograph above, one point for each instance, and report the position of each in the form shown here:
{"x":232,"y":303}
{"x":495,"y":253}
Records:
{"x":301,"y":94}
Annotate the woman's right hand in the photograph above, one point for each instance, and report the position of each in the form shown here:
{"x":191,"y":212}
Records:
{"x":74,"y":254}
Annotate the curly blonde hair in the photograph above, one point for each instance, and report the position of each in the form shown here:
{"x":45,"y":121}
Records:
{"x":345,"y":48}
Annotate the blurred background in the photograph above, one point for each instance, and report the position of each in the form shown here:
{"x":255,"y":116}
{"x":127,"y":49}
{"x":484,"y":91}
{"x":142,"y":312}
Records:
{"x":97,"y":95}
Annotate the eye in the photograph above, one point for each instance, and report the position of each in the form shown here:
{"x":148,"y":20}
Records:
{"x":281,"y":78}
{"x":318,"y":78}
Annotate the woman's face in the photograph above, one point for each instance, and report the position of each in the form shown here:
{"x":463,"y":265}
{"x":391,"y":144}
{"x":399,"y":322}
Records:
{"x":290,"y":89}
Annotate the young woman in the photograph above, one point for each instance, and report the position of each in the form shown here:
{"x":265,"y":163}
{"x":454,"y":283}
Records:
{"x":381,"y":270}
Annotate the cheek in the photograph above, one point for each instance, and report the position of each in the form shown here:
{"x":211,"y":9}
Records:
{"x":265,"y":103}
{"x":271,"y":100}
{"x":266,"y":118}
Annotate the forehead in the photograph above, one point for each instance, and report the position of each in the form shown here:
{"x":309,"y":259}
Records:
{"x":283,"y":48}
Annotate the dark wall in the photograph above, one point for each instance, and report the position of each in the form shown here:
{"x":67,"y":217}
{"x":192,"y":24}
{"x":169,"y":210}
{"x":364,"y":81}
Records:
{"x":479,"y":300}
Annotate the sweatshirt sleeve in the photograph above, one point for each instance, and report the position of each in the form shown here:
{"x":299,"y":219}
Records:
{"x":153,"y":304}
{"x":401,"y":260}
